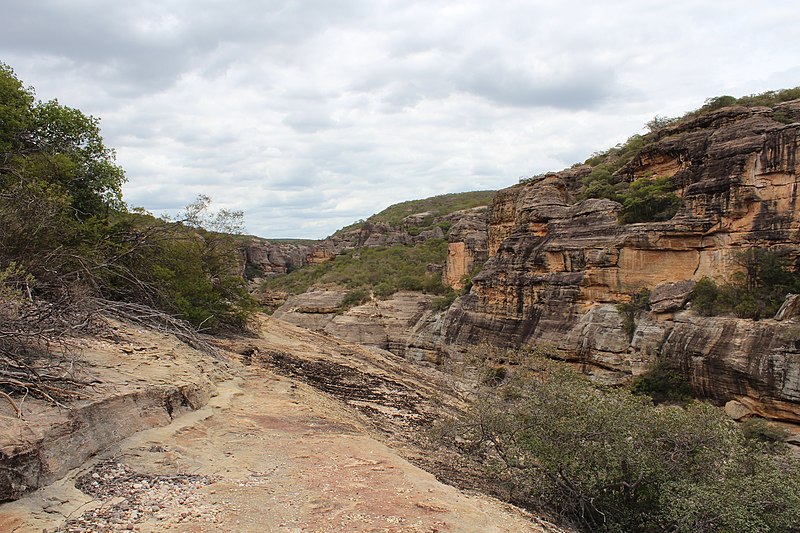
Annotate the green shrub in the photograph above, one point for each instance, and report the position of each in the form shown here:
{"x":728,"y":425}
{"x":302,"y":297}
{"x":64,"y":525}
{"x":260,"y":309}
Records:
{"x":601,"y":183}
{"x":649,"y":200}
{"x":663,"y":384}
{"x":717,"y":102}
{"x":643,"y":200}
{"x":756,"y":291}
{"x":705,"y":297}
{"x":630,"y":311}
{"x":444,"y":302}
{"x":608,"y":460}
{"x":353,"y":299}
{"x":759,"y":430}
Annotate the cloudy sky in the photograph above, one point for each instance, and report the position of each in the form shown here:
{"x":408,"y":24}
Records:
{"x":311,"y":114}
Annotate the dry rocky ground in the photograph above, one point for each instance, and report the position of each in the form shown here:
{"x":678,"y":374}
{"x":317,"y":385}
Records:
{"x":302,"y":433}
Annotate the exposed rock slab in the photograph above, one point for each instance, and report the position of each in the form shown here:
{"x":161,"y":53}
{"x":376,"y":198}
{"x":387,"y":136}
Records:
{"x":144,"y":379}
{"x":272,"y":453}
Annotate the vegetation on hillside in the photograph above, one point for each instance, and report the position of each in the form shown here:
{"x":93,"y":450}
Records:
{"x":765,"y":99}
{"x":436,"y":206}
{"x":608,"y":460}
{"x":69,"y":248}
{"x":663,"y":384}
{"x":653,"y":198}
{"x":382,"y":270}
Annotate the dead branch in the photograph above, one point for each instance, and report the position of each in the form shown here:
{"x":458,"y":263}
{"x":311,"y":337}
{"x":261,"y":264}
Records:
{"x":148,"y":317}
{"x":11,"y":401}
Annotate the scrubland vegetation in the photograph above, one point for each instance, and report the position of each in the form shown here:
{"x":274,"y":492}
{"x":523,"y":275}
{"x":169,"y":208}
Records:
{"x":381,"y":270}
{"x":70,"y":248}
{"x":606,"y":459}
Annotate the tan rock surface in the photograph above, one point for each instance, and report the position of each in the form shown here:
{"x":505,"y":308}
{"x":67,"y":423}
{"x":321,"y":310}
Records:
{"x":140,"y":379}
{"x":273,"y":453}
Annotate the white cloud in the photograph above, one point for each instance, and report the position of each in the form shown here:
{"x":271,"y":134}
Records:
{"x":310,"y":114}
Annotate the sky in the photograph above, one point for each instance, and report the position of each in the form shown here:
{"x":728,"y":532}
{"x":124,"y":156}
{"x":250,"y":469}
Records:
{"x":310,"y":114}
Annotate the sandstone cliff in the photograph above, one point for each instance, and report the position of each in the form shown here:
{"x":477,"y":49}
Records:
{"x":557,"y":266}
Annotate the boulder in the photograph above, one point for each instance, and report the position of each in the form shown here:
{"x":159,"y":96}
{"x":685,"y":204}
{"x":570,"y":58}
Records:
{"x":671,"y":296}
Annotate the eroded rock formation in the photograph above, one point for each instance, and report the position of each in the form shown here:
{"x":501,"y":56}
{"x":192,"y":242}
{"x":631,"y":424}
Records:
{"x":558,"y":266}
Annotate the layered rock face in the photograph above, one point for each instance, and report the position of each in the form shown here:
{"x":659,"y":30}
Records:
{"x":263,"y":258}
{"x":401,"y":324}
{"x":557,"y":266}
{"x":468,"y":246}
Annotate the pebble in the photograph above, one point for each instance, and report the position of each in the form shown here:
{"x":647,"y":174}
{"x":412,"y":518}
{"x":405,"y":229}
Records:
{"x":141,"y":497}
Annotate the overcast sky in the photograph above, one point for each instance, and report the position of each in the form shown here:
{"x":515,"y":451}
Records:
{"x":311,"y":114}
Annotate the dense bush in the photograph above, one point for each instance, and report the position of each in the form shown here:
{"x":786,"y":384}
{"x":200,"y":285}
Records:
{"x":353,"y":298}
{"x":663,"y":384}
{"x":756,"y":291}
{"x":607,"y":460}
{"x":444,"y":302}
{"x":649,"y":200}
{"x":643,"y":200}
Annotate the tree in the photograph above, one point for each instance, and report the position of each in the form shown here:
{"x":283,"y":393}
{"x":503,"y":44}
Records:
{"x":648,"y":200}
{"x":658,"y":123}
{"x":55,"y":149}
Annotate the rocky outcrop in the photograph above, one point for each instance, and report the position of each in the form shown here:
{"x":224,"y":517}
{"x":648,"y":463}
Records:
{"x":468,"y":246}
{"x":557,"y":266}
{"x":755,"y":363}
{"x":49,"y":452}
{"x":142,"y":379}
{"x":401,"y":323}
{"x":265,"y":258}
{"x":671,"y":296}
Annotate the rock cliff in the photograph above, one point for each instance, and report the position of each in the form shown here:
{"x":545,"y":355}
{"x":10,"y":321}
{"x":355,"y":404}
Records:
{"x":558,"y":266}
{"x":554,"y":266}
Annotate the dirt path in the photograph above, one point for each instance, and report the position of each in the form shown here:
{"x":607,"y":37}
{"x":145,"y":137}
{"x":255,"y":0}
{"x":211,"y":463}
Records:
{"x":268,"y":453}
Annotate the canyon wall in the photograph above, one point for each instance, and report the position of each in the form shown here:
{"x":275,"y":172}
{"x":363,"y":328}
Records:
{"x":558,"y":266}
{"x":554,"y":267}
